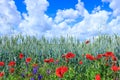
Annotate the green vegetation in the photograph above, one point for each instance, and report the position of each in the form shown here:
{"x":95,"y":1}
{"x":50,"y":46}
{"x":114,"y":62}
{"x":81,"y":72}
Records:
{"x":40,"y":49}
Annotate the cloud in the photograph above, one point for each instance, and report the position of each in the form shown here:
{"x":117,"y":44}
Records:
{"x":91,"y":25}
{"x":115,"y":25}
{"x":64,"y":18}
{"x":106,"y":0}
{"x":96,"y":9}
{"x":98,"y":22}
{"x":69,"y":15}
{"x":35,"y":20}
{"x":64,"y":15}
{"x":9,"y":16}
{"x":115,"y":6}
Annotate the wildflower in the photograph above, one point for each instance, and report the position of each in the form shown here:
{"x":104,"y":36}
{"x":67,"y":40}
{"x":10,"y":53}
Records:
{"x":108,"y":54}
{"x":86,"y":42}
{"x":2,"y":74}
{"x":81,"y":62}
{"x":21,"y":55}
{"x":99,"y":56}
{"x":60,"y":71}
{"x":50,"y":60}
{"x":114,"y":58}
{"x":97,"y":77}
{"x":11,"y":70}
{"x":28,"y":59}
{"x":90,"y":57}
{"x":35,"y":70}
{"x":70,"y":55}
{"x":48,"y":71}
{"x":115,"y":68}
{"x":32,"y":79}
{"x":2,"y":63}
{"x":46,"y":60}
{"x":11,"y":63}
{"x":39,"y":77}
{"x":23,"y":75}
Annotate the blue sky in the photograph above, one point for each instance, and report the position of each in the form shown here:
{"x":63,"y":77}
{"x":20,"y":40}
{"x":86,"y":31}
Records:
{"x":53,"y":18}
{"x":65,"y":4}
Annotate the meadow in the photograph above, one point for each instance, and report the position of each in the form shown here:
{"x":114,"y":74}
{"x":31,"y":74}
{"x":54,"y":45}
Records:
{"x":29,"y":58}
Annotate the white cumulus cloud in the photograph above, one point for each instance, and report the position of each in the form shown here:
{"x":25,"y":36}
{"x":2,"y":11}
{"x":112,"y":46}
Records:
{"x":115,"y":6}
{"x":35,"y":20}
{"x":9,"y":16}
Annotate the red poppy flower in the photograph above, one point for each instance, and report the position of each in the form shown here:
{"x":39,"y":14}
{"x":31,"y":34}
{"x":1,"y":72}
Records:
{"x":46,"y":60}
{"x":108,"y":54}
{"x":11,"y":70}
{"x":90,"y":57}
{"x":11,"y":63}
{"x":115,"y":68}
{"x":28,"y":59}
{"x":86,"y":42}
{"x":21,"y":55}
{"x":2,"y":74}
{"x":81,"y":62}
{"x":50,"y":60}
{"x":114,"y":58}
{"x":2,"y":63}
{"x":60,"y":71}
{"x":70,"y":55}
{"x":99,"y":56}
{"x":97,"y":77}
